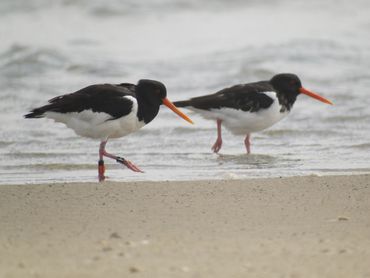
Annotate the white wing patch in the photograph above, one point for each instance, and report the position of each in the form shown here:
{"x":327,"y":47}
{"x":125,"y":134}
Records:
{"x":98,"y":125}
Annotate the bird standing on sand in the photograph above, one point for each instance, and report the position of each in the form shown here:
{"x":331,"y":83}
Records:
{"x":251,"y":107}
{"x":107,"y":111}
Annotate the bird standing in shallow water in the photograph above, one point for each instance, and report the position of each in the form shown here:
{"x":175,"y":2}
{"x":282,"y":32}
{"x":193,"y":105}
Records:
{"x":107,"y":111}
{"x":251,"y":107}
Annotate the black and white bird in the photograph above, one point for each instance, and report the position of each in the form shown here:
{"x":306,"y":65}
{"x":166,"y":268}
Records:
{"x":106,"y":111}
{"x":252,"y":107}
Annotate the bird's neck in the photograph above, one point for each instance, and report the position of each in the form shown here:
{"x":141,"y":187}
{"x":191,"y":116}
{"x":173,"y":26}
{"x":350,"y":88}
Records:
{"x":146,"y":111}
{"x":286,"y":101}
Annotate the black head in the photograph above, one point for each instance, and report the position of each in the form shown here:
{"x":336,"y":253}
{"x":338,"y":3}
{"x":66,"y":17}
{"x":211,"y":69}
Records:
{"x":288,"y":87}
{"x":150,"y":95}
{"x":152,"y":90}
{"x":286,"y":83}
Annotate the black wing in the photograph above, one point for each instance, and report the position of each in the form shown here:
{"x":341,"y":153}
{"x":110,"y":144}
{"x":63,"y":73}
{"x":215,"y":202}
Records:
{"x":246,"y":97}
{"x":107,"y":98}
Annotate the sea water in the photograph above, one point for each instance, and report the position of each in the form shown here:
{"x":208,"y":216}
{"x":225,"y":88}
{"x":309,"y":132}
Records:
{"x":49,"y":48}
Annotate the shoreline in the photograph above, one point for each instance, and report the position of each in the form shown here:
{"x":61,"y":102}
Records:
{"x":226,"y":177}
{"x":310,"y":226}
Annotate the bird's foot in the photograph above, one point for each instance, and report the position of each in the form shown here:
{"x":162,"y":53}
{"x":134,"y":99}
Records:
{"x":128,"y":164}
{"x":101,"y":170}
{"x":217,"y":145}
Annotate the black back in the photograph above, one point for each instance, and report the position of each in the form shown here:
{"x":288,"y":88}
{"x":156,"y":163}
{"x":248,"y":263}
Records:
{"x":246,"y":97}
{"x":250,"y":97}
{"x":109,"y":98}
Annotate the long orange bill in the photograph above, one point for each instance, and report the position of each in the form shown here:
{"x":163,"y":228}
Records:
{"x":313,"y":95}
{"x":170,"y":105}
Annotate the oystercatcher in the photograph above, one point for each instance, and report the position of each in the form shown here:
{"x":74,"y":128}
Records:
{"x":107,"y":111}
{"x":251,"y":107}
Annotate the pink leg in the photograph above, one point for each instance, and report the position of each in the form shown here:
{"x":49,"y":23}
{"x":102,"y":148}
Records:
{"x":102,"y":153}
{"x":247,"y":143}
{"x":218,"y":144}
{"x":101,"y":166}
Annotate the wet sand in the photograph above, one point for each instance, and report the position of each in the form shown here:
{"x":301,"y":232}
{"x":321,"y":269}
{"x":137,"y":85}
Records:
{"x":283,"y":227}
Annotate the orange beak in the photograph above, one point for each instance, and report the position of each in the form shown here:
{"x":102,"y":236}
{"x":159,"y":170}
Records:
{"x":170,"y":105}
{"x":313,"y":95}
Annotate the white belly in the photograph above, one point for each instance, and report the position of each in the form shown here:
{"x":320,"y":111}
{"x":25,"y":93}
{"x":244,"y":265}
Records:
{"x":97,"y":124}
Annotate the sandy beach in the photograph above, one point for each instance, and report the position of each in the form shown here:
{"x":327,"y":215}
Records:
{"x":283,"y":227}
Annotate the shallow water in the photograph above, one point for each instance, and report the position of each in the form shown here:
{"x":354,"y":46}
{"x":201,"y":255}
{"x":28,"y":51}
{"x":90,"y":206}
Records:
{"x":194,"y":47}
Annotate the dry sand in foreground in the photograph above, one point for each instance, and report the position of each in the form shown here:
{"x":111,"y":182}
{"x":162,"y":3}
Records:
{"x":287,"y":227}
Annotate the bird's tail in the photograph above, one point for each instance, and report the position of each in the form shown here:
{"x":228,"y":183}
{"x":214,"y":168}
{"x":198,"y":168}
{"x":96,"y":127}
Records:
{"x":37,"y":112}
{"x":182,"y":103}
